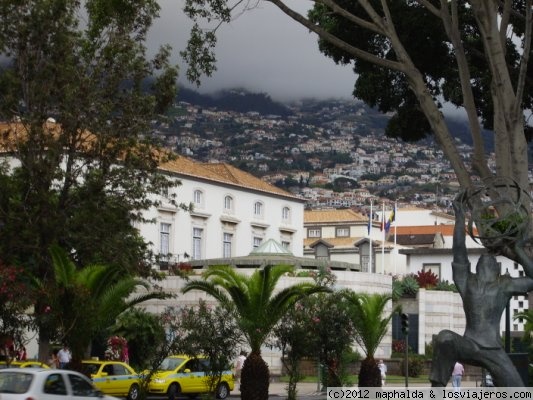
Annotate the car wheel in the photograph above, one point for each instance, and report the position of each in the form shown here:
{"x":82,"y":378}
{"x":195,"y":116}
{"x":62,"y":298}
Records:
{"x":133,"y":394}
{"x":222,"y":390}
{"x":173,"y":391}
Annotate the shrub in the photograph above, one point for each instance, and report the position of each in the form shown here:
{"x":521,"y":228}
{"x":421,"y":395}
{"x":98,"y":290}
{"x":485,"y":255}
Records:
{"x":416,"y":366}
{"x":426,"y":279}
{"x":410,"y":286}
{"x":398,"y":346}
{"x":446,"y":286}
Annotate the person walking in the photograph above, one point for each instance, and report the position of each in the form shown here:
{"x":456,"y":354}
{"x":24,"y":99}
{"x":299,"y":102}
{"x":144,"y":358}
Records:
{"x":64,"y":356}
{"x":383,"y":370}
{"x":457,"y":376}
{"x":239,"y":363}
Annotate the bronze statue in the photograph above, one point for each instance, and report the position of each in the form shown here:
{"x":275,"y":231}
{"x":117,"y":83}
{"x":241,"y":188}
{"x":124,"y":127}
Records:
{"x":485,"y":295}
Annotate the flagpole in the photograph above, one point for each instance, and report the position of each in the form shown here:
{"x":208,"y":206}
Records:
{"x":395,"y":224}
{"x":371,"y":217}
{"x":383,"y":242}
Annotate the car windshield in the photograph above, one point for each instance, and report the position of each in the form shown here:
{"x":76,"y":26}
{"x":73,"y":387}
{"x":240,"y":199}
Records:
{"x":170,"y":364}
{"x":15,"y":382}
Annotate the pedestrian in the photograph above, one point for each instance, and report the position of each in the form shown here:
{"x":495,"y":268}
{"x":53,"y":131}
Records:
{"x":53,"y":361}
{"x":383,"y":370}
{"x":21,"y":354}
{"x":457,"y":375}
{"x":64,"y":356}
{"x":239,"y":363}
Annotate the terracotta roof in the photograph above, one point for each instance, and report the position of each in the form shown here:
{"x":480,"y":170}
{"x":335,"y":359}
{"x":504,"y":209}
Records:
{"x":445,"y":230}
{"x":333,"y":216}
{"x":222,"y":173}
{"x":335,"y":242}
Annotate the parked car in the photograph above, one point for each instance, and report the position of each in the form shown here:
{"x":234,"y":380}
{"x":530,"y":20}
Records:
{"x":23,"y":364}
{"x":113,"y":377}
{"x":181,"y":374}
{"x":47,"y":384}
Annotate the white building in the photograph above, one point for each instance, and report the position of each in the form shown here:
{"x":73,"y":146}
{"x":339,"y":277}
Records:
{"x":232,"y":213}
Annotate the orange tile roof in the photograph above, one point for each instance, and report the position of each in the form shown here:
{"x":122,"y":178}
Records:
{"x":222,"y":173}
{"x":445,"y":230}
{"x":333,"y":216}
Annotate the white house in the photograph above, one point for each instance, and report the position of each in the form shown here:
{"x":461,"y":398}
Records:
{"x":232,"y":213}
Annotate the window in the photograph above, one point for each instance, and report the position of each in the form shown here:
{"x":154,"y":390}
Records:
{"x":198,"y":198}
{"x":54,"y":384}
{"x":197,"y":239}
{"x":226,"y":246}
{"x":257,"y":242}
{"x":164,"y":240}
{"x":342,"y":232}
{"x":228,"y":203}
{"x":81,"y":387}
{"x":435,"y":268}
{"x":286,"y":244}
{"x":286,"y":214}
{"x":258,"y":209}
{"x":314,"y":233}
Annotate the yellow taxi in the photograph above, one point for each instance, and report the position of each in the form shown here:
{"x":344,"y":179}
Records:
{"x":113,"y":377}
{"x":181,"y":374}
{"x":24,"y":364}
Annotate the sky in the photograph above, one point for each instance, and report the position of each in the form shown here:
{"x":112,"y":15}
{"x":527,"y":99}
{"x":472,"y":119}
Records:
{"x":262,"y":50}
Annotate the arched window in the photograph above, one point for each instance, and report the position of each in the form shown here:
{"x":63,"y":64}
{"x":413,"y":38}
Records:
{"x":198,"y":198}
{"x":228,"y":203}
{"x":258,"y":209}
{"x":286,"y":214}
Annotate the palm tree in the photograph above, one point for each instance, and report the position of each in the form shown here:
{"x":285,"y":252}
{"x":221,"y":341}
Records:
{"x":82,"y":302}
{"x":257,"y":308}
{"x":370,"y":327}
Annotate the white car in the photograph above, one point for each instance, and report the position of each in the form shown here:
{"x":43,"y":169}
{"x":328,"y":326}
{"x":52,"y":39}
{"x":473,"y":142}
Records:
{"x":46,"y":384}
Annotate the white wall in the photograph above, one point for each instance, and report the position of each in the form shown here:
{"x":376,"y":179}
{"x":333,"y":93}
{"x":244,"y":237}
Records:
{"x":212,"y":218}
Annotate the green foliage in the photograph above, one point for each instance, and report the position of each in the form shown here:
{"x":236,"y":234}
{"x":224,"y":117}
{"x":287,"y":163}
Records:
{"x":446,"y":286}
{"x":205,"y":330}
{"x":257,"y":307}
{"x":144,"y":333}
{"x":415,"y":366}
{"x":101,"y":293}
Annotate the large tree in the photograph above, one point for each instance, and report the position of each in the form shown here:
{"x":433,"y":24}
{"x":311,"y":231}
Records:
{"x":258,"y":305}
{"x":78,"y":94}
{"x":83,"y":303}
{"x":412,"y":56}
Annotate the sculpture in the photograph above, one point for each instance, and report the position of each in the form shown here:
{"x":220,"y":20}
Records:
{"x":485,"y":295}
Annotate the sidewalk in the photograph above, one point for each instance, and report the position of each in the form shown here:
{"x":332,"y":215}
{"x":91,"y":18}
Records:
{"x":311,"y":388}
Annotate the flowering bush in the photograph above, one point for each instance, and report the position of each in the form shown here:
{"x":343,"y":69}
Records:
{"x":117,"y":349}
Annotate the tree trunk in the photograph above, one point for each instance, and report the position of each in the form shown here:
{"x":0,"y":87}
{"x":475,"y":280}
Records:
{"x":255,"y":378}
{"x":369,"y":374}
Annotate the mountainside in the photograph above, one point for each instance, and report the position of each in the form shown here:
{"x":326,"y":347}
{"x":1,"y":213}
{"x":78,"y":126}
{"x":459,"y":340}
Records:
{"x":238,"y":100}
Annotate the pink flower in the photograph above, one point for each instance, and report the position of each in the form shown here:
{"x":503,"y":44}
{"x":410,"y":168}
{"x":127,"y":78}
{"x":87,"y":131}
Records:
{"x":47,"y":309}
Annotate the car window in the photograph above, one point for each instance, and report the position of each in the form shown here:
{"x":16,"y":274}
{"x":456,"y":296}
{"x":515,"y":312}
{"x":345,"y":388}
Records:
{"x":120,"y":370}
{"x":90,"y":369}
{"x":170,"y":364}
{"x":12,"y":382}
{"x":54,"y":384}
{"x":109,"y":369}
{"x":82,"y":387}
{"x":193,"y":365}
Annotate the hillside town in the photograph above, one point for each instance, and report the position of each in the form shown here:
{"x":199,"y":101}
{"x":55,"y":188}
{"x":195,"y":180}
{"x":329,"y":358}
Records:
{"x":331,"y":153}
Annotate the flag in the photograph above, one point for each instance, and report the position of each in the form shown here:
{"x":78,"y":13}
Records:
{"x":392,"y":218}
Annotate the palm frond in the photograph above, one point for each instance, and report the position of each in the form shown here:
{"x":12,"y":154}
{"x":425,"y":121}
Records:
{"x":64,"y":268}
{"x":367,"y":316}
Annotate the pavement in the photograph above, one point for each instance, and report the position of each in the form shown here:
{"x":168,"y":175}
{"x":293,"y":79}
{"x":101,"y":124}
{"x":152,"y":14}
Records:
{"x":307,"y":389}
